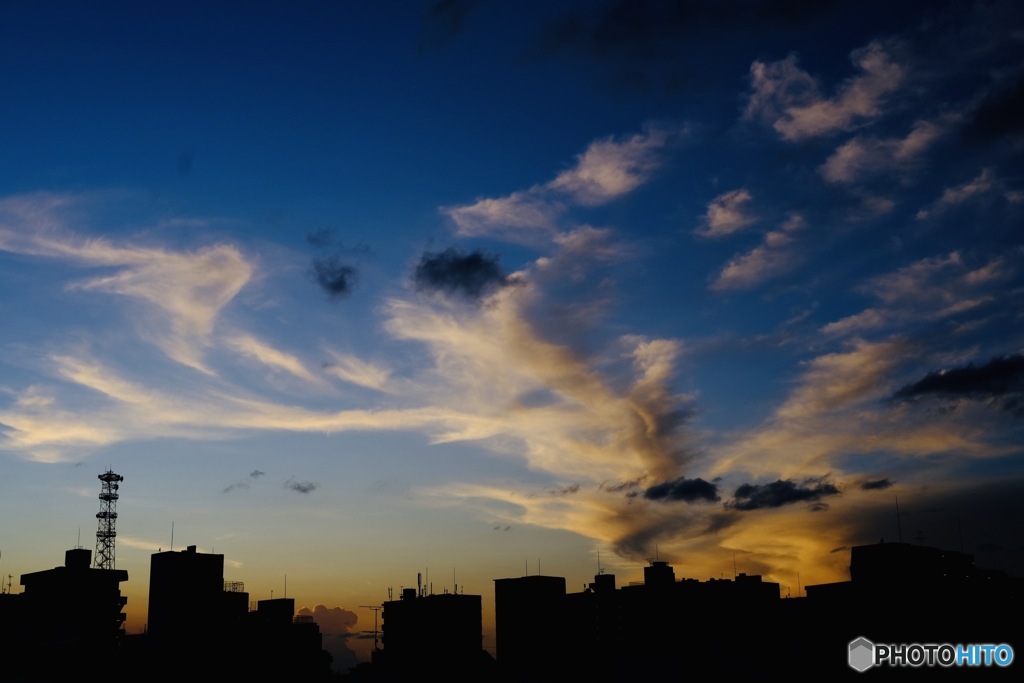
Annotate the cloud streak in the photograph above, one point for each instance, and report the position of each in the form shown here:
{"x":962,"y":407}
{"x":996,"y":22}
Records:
{"x":609,"y":168}
{"x":727,"y":214}
{"x":789,"y":98}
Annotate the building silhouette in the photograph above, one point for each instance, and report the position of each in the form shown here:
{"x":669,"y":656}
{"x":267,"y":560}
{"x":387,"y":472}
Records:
{"x":899,"y":593}
{"x":661,"y":628}
{"x":198,"y":619}
{"x":664,"y":628}
{"x":604,"y":633}
{"x":63,"y":615}
{"x":433,"y":636}
{"x":520,"y":604}
{"x":187,"y":592}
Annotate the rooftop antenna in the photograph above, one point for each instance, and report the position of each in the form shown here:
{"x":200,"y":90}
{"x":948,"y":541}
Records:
{"x":899,"y":526}
{"x":376,"y":609}
{"x":172,"y":537}
{"x":286,"y":585}
{"x":734,"y":565}
{"x":599,"y":570}
{"x":107,"y":517}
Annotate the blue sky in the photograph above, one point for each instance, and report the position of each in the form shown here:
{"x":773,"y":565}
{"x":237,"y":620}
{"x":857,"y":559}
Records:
{"x":352,"y":291}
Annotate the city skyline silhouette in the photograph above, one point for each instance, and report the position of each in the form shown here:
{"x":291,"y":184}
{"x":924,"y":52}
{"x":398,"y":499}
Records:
{"x":470,"y":290}
{"x":899,"y":593}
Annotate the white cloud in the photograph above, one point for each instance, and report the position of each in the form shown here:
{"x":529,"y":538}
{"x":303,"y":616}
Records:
{"x":726,"y":214}
{"x":863,"y":156}
{"x":354,"y":370}
{"x":928,"y":289}
{"x":774,"y":256}
{"x":985,"y":184}
{"x":789,"y":97}
{"x":611,"y":168}
{"x":608,"y":169}
{"x":251,"y":347}
{"x":183,"y":292}
{"x":521,"y":216}
{"x":838,"y":409}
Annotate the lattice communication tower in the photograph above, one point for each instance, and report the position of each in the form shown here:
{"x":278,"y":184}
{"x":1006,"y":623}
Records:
{"x":107,"y":517}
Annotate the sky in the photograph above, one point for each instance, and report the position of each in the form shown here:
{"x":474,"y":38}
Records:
{"x":351,"y":292}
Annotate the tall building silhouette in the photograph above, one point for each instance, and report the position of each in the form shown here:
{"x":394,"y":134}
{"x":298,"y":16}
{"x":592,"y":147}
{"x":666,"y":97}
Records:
{"x":64,"y":616}
{"x":187,"y":594}
{"x":433,"y":636}
{"x":522,"y":605}
{"x":199,"y":620}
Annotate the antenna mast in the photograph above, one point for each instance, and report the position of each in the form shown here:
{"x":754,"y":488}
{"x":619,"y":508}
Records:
{"x":899,"y":525}
{"x":376,"y":610}
{"x":107,"y":517}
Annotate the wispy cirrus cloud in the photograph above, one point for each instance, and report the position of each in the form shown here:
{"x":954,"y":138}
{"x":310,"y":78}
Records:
{"x":727,"y":213}
{"x":929,"y":289}
{"x":182,"y":292}
{"x":355,"y":370}
{"x":790,"y":99}
{"x":985,"y":184}
{"x":866,"y":156}
{"x":777,"y":254}
{"x":250,"y":347}
{"x":608,"y":169}
{"x":839,"y":407}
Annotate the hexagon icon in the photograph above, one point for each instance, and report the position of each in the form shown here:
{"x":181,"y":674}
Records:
{"x":862,"y":654}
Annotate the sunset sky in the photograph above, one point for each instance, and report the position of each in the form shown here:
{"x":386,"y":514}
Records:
{"x":350,"y":291}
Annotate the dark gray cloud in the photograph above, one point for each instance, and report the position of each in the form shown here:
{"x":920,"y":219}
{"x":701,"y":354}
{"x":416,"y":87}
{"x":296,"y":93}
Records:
{"x":781,"y":492}
{"x":1001,"y":381}
{"x":242,"y":484}
{"x":875,"y":484}
{"x":334,"y":276}
{"x":471,"y":275}
{"x":572,"y":488}
{"x":689,"y":490}
{"x":300,"y":486}
{"x":621,"y":486}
